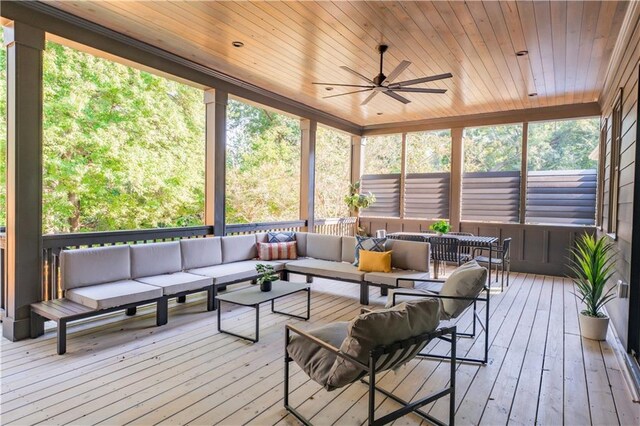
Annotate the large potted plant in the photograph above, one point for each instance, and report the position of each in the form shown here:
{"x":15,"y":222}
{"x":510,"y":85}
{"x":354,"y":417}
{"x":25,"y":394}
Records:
{"x":357,"y":201}
{"x":267,"y":275}
{"x":593,"y":265}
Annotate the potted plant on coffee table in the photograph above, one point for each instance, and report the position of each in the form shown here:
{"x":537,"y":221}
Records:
{"x":267,"y":275}
{"x":593,"y":265}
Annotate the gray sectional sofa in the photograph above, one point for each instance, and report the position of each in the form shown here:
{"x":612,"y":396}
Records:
{"x":106,"y":279}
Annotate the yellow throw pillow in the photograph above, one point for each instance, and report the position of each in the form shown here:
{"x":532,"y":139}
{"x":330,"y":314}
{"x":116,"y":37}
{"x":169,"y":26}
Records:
{"x":373,"y":261}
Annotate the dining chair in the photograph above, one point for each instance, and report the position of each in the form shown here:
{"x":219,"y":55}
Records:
{"x":503,"y":259}
{"x":445,"y":249}
{"x":464,"y":250}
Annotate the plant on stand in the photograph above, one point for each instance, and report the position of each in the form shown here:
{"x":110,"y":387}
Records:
{"x":356,"y":201}
{"x":593,"y":266}
{"x":441,"y":227}
{"x":267,"y":275}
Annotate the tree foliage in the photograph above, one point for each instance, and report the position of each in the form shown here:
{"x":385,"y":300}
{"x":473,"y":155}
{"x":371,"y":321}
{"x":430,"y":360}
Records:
{"x":383,"y":154}
{"x":123,"y":148}
{"x":263,"y":165}
{"x":333,"y":173}
{"x":493,"y":148}
{"x":429,"y":152}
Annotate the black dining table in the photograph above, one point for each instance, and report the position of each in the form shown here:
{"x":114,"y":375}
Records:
{"x":471,"y":241}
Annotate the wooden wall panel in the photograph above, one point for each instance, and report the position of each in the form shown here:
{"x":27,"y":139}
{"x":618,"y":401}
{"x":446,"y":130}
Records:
{"x":623,"y":73}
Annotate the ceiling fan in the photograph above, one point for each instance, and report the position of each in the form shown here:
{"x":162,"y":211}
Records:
{"x":384,"y":84}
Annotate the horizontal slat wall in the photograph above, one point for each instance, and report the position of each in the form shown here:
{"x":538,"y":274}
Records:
{"x":427,"y":195}
{"x":386,"y":188}
{"x":491,"y":196}
{"x":561,"y":197}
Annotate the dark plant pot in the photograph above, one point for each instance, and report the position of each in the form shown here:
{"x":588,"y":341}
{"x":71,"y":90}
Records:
{"x":265,"y":286}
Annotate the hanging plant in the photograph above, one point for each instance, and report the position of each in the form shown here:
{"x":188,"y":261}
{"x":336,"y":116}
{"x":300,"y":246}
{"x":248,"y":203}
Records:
{"x":356,"y":201}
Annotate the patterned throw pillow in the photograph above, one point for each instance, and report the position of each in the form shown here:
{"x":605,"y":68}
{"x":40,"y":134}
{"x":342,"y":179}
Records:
{"x":277,"y":251}
{"x":281,"y":237}
{"x":368,"y":243}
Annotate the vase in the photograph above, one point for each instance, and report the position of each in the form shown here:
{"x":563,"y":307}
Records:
{"x":594,"y":328}
{"x":265,"y":286}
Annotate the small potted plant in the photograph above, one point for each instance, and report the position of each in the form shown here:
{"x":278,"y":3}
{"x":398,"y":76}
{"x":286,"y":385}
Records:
{"x":267,"y":275}
{"x":593,"y":265}
{"x":441,"y":227}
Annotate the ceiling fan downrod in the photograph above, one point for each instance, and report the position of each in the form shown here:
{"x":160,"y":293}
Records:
{"x":380,"y":78}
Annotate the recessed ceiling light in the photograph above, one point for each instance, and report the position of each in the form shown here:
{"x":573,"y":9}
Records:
{"x":522,"y":53}
{"x":328,"y":88}
{"x":379,"y":113}
{"x":237,"y":44}
{"x":533,"y":94}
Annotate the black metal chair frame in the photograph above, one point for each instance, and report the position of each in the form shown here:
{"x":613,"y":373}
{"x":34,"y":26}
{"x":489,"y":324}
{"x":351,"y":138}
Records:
{"x":455,"y":256}
{"x":504,"y":255}
{"x":476,"y":318}
{"x":370,"y":370}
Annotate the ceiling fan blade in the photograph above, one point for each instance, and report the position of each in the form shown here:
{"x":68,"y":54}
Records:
{"x":343,"y":85}
{"x":371,"y":96}
{"x":419,"y":90}
{"x":397,"y":97}
{"x":356,"y":73}
{"x":420,"y":80}
{"x":397,"y":71}
{"x":348,"y":93}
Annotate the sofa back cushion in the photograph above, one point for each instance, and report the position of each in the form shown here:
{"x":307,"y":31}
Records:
{"x":409,"y":255}
{"x":325,"y":247}
{"x":200,"y":252}
{"x":148,"y":260}
{"x":301,"y":243}
{"x":467,"y":280}
{"x":238,"y":248}
{"x":349,"y":249}
{"x":89,"y":266}
{"x":382,"y":327}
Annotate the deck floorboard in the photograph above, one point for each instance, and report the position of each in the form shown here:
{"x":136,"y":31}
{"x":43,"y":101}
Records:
{"x":124,"y":370}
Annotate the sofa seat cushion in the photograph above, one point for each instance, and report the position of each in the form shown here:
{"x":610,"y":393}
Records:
{"x":313,"y":359}
{"x":178,"y":282}
{"x":326,"y":268}
{"x":110,"y":295}
{"x":389,"y":278}
{"x":234,"y":272}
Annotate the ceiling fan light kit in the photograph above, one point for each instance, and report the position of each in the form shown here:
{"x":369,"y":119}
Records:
{"x":385,"y":84}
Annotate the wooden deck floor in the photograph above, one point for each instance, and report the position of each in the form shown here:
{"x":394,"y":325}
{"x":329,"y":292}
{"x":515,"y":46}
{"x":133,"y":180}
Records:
{"x":122,"y":371}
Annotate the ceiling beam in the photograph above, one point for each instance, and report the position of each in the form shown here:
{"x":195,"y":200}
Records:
{"x":71,"y":27}
{"x":491,"y":118}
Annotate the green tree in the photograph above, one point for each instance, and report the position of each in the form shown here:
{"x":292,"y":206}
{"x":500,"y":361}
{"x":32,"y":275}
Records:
{"x":333,"y":173}
{"x":383,"y":154}
{"x":493,"y":148}
{"x":263,"y":165}
{"x":123,"y":148}
{"x":429,"y":152}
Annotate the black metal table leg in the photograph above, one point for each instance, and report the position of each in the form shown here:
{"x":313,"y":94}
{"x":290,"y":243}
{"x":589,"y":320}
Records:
{"x":293,"y":315}
{"x":250,"y":339}
{"x":62,"y":337}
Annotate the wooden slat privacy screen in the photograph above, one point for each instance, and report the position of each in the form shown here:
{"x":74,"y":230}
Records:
{"x":386,"y":188}
{"x":562,"y":197}
{"x":491,"y":196}
{"x":427,"y":195}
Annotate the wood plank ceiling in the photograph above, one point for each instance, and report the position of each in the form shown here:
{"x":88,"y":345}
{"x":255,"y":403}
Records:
{"x":288,"y":45}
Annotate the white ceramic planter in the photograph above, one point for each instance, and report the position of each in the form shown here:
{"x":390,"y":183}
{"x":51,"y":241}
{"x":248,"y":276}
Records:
{"x":594,"y":328}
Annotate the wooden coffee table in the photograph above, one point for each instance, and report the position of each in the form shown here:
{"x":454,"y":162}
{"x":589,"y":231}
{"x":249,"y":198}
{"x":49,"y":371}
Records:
{"x":254,"y":297}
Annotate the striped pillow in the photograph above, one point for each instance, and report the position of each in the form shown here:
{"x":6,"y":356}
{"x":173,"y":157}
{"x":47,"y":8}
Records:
{"x":277,"y":251}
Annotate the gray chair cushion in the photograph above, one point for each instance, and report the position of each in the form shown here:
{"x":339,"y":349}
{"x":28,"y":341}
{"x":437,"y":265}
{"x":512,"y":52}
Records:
{"x":238,"y":248}
{"x":313,"y":359}
{"x":301,"y":243}
{"x":90,"y":266}
{"x":325,"y":247}
{"x":409,"y":255}
{"x":155,"y":259}
{"x":349,"y":249}
{"x":389,"y":278}
{"x":177,"y":282}
{"x":234,"y":272}
{"x":200,"y":252}
{"x":381,"y":327}
{"x":111,"y":295}
{"x":326,"y":268}
{"x":467,"y":280}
